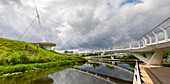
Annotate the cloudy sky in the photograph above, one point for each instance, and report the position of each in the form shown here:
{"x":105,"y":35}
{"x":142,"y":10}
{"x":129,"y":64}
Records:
{"x":75,"y":24}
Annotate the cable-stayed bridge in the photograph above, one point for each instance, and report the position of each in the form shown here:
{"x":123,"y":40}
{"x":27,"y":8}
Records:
{"x":156,"y":40}
{"x":153,"y":44}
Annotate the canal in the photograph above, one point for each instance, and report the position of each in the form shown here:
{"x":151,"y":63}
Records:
{"x":88,"y":73}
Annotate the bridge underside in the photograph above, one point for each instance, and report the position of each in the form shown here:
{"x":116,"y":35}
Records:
{"x":46,"y":45}
{"x":155,"y":59}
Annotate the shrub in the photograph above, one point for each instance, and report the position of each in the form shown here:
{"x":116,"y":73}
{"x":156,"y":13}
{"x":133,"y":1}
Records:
{"x":24,"y":58}
{"x":32,"y":59}
{"x":3,"y":60}
{"x":14,"y":59}
{"x":40,"y":59}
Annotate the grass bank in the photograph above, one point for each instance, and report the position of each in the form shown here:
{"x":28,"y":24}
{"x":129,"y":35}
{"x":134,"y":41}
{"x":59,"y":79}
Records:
{"x":27,"y":67}
{"x":30,"y":76}
{"x":20,"y":56}
{"x":14,"y":52}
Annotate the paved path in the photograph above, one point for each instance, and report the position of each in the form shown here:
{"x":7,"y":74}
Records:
{"x":159,"y":75}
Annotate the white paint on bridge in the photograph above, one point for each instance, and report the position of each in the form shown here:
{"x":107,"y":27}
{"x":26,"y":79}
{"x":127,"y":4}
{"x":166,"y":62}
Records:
{"x":144,"y":45}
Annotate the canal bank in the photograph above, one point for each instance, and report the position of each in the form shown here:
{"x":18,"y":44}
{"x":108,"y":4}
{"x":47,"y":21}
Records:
{"x":88,"y":73}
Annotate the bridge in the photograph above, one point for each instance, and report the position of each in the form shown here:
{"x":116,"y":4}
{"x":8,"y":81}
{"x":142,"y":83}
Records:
{"x":111,"y":55}
{"x":156,"y":40}
{"x":89,"y":57}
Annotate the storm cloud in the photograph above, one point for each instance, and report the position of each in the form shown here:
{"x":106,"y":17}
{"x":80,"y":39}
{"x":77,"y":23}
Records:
{"x":80,"y":24}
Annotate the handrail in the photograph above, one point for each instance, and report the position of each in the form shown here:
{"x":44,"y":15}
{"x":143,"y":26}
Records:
{"x":138,"y":77}
{"x":156,"y":27}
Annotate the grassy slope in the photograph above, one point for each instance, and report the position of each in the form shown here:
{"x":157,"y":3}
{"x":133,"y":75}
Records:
{"x":13,"y":52}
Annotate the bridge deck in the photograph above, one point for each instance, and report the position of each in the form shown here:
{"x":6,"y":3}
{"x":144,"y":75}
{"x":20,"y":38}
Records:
{"x":158,"y":75}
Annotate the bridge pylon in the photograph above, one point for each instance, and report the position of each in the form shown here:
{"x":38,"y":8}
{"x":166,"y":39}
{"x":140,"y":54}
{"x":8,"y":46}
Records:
{"x":150,"y":59}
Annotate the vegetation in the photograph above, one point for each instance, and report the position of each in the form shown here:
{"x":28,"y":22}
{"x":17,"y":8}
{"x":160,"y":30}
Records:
{"x":129,"y":56}
{"x":89,"y":55}
{"x":101,"y":58}
{"x":142,"y":54}
{"x":18,"y":52}
{"x":166,"y":54}
{"x":30,"y":76}
{"x":21,"y":56}
{"x":26,"y":67}
{"x":68,"y":52}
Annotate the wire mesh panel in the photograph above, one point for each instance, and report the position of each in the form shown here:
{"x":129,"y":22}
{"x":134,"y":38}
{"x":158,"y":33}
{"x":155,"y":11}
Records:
{"x":159,"y":33}
{"x":168,"y":31}
{"x":135,"y":45}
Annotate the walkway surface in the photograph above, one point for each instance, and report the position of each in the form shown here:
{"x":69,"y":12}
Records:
{"x":158,"y":74}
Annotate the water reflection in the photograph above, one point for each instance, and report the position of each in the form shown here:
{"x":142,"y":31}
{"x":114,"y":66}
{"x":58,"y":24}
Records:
{"x":73,"y":77}
{"x":44,"y":80}
{"x":115,"y":73}
{"x":89,"y":73}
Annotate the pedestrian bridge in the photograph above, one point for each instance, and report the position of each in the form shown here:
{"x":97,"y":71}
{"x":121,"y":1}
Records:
{"x":153,"y":44}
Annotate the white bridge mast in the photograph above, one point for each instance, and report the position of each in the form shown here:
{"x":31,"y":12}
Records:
{"x":42,"y":33}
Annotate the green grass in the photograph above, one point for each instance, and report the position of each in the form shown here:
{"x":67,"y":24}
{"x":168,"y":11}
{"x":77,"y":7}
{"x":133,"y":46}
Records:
{"x":20,"y":56}
{"x":30,"y":76}
{"x":14,"y":52}
{"x":27,"y":67}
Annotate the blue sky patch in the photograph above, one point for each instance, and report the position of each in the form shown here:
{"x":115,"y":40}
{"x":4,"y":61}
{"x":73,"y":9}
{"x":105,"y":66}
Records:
{"x":131,"y":1}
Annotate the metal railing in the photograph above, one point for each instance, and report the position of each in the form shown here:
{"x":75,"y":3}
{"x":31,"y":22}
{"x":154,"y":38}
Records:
{"x":138,"y":76}
{"x":150,"y":38}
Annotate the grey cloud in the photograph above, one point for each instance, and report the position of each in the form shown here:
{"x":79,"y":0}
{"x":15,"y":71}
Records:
{"x":82,"y":23}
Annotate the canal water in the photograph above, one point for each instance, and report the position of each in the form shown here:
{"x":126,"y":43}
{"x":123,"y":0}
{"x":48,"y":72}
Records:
{"x":92,"y":73}
{"x":88,"y":73}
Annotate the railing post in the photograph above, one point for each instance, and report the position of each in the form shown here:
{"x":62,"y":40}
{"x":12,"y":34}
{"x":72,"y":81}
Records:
{"x":150,"y":39}
{"x":138,"y":74}
{"x":156,"y":37}
{"x":138,"y":44}
{"x":130,"y":46}
{"x":165,"y":33}
{"x":145,"y":40}
{"x":109,"y":48}
{"x":121,"y":47}
{"x":115,"y":48}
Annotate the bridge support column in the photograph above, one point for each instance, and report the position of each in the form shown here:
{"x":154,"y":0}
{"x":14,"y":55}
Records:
{"x":150,"y":59}
{"x":113,"y":63}
{"x":112,"y":57}
{"x":102,"y":53}
{"x":157,"y":57}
